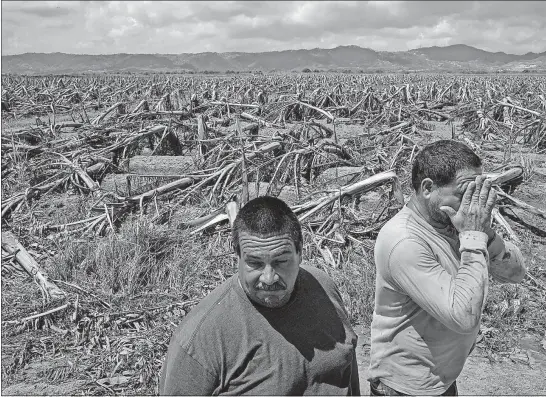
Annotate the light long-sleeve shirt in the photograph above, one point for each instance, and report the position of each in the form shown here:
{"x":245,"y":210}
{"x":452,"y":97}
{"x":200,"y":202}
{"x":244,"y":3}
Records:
{"x":431,"y":287}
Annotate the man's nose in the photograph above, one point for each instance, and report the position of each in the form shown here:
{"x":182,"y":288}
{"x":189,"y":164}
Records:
{"x":269,"y":276}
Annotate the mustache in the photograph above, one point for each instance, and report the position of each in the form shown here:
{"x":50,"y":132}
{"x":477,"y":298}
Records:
{"x":273,"y":287}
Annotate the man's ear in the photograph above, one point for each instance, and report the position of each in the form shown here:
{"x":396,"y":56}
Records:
{"x":426,"y":188}
{"x":299,"y":256}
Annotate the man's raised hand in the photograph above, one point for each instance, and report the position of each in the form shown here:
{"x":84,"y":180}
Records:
{"x":475,"y":211}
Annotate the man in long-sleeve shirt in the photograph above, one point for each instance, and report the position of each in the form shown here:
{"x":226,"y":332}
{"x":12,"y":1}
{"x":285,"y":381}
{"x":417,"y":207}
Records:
{"x":433,"y":263}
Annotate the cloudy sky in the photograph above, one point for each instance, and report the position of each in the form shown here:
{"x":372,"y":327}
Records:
{"x":106,"y":27}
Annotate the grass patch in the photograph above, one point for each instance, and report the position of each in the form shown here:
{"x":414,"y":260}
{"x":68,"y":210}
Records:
{"x":137,"y":270}
{"x":140,"y":256}
{"x":355,"y":280}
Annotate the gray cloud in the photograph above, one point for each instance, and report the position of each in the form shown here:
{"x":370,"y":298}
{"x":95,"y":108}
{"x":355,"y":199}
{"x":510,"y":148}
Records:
{"x":100,"y":27}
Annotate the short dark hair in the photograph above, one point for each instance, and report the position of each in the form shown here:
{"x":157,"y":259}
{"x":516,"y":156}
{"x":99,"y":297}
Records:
{"x":266,"y":216}
{"x":441,"y":161}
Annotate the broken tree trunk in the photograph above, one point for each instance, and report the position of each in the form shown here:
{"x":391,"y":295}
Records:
{"x":12,"y":246}
{"x":314,"y":206}
{"x":201,"y":135}
{"x":287,"y":193}
{"x":258,"y":120}
{"x":501,"y":221}
{"x":510,"y":175}
{"x":339,"y":176}
{"x":523,"y":205}
{"x":130,"y":184}
{"x":230,"y":213}
{"x":160,"y":165}
{"x":359,"y":187}
{"x":181,"y":183}
{"x":101,"y":117}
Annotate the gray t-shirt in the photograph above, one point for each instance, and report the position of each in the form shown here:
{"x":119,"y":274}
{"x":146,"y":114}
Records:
{"x":227,"y":345}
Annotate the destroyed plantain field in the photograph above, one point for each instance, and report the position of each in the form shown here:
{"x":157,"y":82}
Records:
{"x":118,"y":192}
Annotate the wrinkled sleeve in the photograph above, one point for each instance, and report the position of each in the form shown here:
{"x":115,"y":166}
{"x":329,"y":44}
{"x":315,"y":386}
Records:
{"x":506,"y":261}
{"x":454,"y":301}
{"x":182,"y":375}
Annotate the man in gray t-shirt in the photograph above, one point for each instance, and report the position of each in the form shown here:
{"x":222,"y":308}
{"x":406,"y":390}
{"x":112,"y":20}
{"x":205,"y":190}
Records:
{"x":275,"y":328}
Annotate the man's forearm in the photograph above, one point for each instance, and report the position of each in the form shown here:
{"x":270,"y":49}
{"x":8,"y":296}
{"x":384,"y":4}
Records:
{"x":454,"y":300}
{"x":506,"y":262}
{"x":471,"y":281}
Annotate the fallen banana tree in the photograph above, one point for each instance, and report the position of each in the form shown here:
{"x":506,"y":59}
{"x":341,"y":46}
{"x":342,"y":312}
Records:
{"x":71,"y":173}
{"x":306,"y":210}
{"x":227,"y":161}
{"x":112,"y":212}
{"x":13,"y":251}
{"x":76,"y":168}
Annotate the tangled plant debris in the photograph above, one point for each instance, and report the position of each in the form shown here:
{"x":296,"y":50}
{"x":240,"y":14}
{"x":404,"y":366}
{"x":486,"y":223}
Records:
{"x":118,"y":193}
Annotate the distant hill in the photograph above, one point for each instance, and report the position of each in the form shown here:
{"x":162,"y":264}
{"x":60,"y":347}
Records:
{"x":451,"y":58}
{"x":464,"y":53}
{"x":532,"y":64}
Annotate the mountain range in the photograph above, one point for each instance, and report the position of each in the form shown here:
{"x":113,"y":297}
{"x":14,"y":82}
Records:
{"x":452,"y":58}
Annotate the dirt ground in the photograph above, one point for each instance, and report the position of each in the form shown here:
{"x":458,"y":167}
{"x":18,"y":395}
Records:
{"x":521,"y":373}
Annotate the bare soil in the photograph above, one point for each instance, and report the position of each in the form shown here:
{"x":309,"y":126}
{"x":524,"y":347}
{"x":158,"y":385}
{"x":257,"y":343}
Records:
{"x":519,"y":373}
